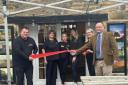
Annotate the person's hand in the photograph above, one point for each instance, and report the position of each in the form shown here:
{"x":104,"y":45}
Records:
{"x":30,"y":58}
{"x":84,"y":53}
{"x":74,"y":59}
{"x":73,"y":52}
{"x":89,"y":51}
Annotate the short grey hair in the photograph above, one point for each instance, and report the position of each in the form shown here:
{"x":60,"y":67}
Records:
{"x":89,"y":30}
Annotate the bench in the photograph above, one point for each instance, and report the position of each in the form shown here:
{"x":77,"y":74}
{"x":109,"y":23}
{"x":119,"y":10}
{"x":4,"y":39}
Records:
{"x":104,"y":80}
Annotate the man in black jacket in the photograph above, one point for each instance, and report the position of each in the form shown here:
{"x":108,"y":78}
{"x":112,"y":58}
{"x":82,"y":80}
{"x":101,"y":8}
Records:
{"x":22,"y":48}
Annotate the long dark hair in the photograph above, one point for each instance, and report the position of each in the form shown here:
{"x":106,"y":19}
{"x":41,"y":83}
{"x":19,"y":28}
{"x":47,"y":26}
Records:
{"x":52,"y":31}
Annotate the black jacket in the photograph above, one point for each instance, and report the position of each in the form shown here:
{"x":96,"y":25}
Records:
{"x":21,"y":50}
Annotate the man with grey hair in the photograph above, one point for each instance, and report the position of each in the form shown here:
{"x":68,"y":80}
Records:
{"x":104,"y":50}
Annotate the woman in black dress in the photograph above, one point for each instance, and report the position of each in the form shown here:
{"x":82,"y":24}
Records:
{"x":51,"y":45}
{"x":64,"y":57}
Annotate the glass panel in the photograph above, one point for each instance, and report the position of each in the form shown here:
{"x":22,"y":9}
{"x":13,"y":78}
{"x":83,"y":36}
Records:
{"x":119,"y":29}
{"x":3,"y":59}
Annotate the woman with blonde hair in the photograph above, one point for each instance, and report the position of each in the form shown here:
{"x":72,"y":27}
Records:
{"x":89,"y":53}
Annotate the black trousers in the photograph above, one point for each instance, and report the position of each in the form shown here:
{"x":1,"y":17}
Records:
{"x":91,"y":67}
{"x":62,"y":64}
{"x":20,"y":71}
{"x":51,"y":72}
{"x":75,"y":70}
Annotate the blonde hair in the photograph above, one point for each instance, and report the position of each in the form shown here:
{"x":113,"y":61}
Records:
{"x":89,"y":30}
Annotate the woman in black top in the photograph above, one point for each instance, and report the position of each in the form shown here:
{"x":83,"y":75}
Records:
{"x":51,"y":45}
{"x":76,"y":43}
{"x":64,"y":57}
{"x":89,"y":53}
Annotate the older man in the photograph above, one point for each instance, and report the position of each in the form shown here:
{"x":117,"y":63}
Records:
{"x":104,"y":50}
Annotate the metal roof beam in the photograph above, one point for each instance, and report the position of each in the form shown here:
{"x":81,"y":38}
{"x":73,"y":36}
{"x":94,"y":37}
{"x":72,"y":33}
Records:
{"x":121,"y":2}
{"x":25,"y":10}
{"x":43,"y":5}
{"x":59,"y":2}
{"x":33,"y":8}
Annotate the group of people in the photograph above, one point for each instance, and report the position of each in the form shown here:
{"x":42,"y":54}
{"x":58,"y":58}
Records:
{"x":100,"y":54}
{"x":60,"y":60}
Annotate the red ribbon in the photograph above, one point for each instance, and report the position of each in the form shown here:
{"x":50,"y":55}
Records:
{"x":34,"y":56}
